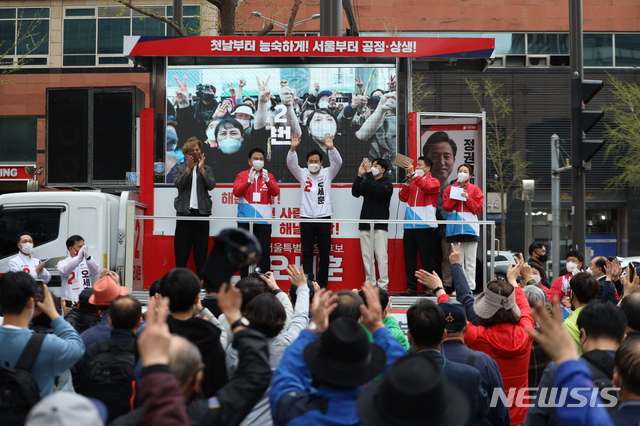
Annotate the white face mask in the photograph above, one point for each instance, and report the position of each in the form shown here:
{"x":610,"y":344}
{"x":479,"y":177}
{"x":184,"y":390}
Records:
{"x":211,"y":134}
{"x":571,"y":267}
{"x":230,"y":145}
{"x":536,"y":278}
{"x":258,"y":164}
{"x":319,"y":129}
{"x":375,"y":171}
{"x":26,"y":248}
{"x":314,"y":168}
{"x":589,"y":271}
{"x":323,"y":104}
{"x":463,"y":177}
{"x":419,"y":172}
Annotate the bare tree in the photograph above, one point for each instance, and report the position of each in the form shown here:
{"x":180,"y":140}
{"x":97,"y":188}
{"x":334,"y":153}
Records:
{"x":509,"y":165}
{"x":226,"y":16}
{"x":623,"y":136}
{"x":27,"y":41}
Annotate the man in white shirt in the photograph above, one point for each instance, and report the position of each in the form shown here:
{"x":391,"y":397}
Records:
{"x":315,"y":182}
{"x":77,"y":269}
{"x":25,"y":262}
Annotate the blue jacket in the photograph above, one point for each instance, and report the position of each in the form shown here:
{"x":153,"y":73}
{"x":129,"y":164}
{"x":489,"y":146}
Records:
{"x":456,"y":351}
{"x":57,"y":354}
{"x":295,"y":402}
{"x":573,"y":374}
{"x":627,"y":415}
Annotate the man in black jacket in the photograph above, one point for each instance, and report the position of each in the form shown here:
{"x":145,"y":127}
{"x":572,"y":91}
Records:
{"x":164,"y":356}
{"x":182,"y":287}
{"x":375,"y":187}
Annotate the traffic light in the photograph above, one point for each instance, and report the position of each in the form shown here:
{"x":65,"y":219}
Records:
{"x":582,"y":120}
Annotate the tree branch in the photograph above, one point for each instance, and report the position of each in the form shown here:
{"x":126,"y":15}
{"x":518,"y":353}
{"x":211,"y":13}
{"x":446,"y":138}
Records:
{"x":264,"y":30}
{"x":292,"y":17}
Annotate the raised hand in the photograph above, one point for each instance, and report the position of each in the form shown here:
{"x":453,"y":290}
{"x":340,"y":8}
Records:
{"x":552,"y":335}
{"x":367,"y":164}
{"x":221,"y":111}
{"x":323,"y":304}
{"x":295,"y":141}
{"x":155,"y":339}
{"x":316,"y":88}
{"x":431,"y":280}
{"x":408,"y":167}
{"x":284,"y":83}
{"x":358,"y":101}
{"x":359,"y":85}
{"x":232,"y":89}
{"x":328,"y":140}
{"x":388,"y":102}
{"x":182,"y":92}
{"x":514,"y":271}
{"x":371,"y":311}
{"x":296,"y":276}
{"x":287,"y":95}
{"x":361,"y":170}
{"x":264,"y":92}
{"x":454,"y":256}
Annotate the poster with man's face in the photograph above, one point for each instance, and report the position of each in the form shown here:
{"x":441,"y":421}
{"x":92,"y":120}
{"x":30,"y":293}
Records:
{"x":451,"y":142}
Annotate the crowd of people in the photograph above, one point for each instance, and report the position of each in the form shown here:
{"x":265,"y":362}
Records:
{"x":361,"y":124}
{"x":521,"y":352}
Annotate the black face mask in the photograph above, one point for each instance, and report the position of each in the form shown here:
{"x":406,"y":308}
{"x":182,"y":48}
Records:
{"x":542,"y":258}
{"x":208,"y":97}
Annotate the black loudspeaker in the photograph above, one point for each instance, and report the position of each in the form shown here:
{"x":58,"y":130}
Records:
{"x":67,"y":136}
{"x":91,"y":135}
{"x":114,"y":132}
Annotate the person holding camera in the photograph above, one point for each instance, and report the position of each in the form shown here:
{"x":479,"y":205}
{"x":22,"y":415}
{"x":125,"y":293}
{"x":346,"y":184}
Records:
{"x":255,"y":188}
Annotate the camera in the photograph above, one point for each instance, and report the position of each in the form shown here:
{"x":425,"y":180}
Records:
{"x":234,"y":248}
{"x":257,"y":273}
{"x":200,"y":88}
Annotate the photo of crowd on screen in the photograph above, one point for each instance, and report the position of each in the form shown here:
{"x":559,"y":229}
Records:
{"x":235,"y":110}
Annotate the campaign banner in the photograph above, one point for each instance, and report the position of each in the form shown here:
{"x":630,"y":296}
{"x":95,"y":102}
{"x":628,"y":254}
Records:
{"x":381,"y":47}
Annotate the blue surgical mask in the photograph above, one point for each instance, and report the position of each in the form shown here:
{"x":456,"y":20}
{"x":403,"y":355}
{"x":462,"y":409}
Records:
{"x":230,"y":145}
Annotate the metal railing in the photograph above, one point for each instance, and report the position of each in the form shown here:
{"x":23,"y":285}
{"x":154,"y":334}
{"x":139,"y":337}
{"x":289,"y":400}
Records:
{"x":484,"y":223}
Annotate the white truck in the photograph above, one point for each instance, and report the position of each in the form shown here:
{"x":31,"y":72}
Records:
{"x":105,"y":221}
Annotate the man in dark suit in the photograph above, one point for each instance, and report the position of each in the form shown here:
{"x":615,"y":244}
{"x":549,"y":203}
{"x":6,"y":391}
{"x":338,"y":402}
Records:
{"x":427,"y":329}
{"x":194,"y":180}
{"x":627,"y":376}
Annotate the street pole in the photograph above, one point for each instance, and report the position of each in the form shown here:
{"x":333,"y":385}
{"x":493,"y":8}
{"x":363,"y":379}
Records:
{"x":578,"y":186}
{"x":331,"y":18}
{"x":177,"y":14}
{"x":555,"y":206}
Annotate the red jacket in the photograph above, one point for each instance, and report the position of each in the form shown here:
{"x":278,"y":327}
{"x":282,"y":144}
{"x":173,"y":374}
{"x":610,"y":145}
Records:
{"x":248,"y":206}
{"x":421,"y":197}
{"x":510,"y":346}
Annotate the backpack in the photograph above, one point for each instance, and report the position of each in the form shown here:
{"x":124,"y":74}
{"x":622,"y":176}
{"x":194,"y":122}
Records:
{"x":19,"y":390}
{"x":601,"y":365}
{"x":109,"y":376}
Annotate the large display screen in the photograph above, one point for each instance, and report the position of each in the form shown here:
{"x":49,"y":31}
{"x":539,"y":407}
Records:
{"x":233,"y":110}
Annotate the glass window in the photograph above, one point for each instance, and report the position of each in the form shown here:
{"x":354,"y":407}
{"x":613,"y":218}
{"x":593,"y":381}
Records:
{"x":33,"y":12}
{"x":43,"y":224}
{"x":109,"y":60}
{"x":111,"y":33}
{"x":192,"y":26}
{"x":147,"y":27}
{"x":18,"y":139}
{"x":627,"y":50}
{"x":80,"y":12}
{"x":79,"y":36}
{"x":8,"y":37}
{"x":598,"y":50}
{"x":508,"y":44}
{"x":78,"y":60}
{"x":548,"y":44}
{"x":33,"y":36}
{"x":9,"y":13}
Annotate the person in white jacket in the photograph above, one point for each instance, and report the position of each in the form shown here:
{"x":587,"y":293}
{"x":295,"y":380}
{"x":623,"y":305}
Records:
{"x":76,"y":269}
{"x":315,"y":184}
{"x":24,"y":260}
